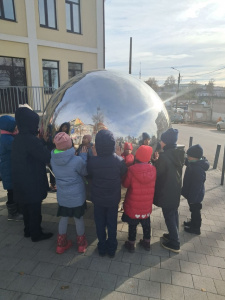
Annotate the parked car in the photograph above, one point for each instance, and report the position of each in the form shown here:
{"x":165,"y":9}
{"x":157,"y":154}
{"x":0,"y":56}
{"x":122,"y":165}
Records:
{"x":220,"y":125}
{"x":176,"y":118}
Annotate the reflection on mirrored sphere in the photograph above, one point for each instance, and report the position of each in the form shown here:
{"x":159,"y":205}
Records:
{"x":103,"y":99}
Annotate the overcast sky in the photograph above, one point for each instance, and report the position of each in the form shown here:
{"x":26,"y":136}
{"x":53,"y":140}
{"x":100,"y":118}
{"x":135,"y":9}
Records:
{"x":187,"y":35}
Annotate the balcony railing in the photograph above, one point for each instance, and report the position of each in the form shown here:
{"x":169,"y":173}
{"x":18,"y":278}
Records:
{"x":11,"y":96}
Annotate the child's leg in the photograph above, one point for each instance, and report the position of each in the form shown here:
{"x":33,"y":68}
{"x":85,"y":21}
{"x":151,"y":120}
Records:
{"x":171,"y":220}
{"x":79,"y":225}
{"x":132,"y":232}
{"x":146,"y":226}
{"x":62,"y":243}
{"x":63,"y":223}
{"x":196,"y":220}
{"x":81,"y":239}
{"x":26,"y":220}
{"x":100,"y":223}
{"x":111,"y":223}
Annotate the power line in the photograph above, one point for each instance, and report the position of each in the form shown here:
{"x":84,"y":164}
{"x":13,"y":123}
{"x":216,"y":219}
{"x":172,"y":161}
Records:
{"x":206,"y":73}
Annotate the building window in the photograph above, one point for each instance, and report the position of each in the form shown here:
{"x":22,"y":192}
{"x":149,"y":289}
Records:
{"x":47,"y":13}
{"x":73,"y":16}
{"x":74,"y":69}
{"x":50,"y":75}
{"x":7,"y":10}
{"x":12,"y":71}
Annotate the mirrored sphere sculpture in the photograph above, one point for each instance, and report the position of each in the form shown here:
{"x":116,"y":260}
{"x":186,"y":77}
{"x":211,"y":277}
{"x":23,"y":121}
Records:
{"x":103,"y":99}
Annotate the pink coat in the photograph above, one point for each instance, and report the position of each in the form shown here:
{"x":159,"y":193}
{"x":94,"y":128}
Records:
{"x":140,"y":183}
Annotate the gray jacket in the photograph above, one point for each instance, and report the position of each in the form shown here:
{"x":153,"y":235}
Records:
{"x":69,"y":171}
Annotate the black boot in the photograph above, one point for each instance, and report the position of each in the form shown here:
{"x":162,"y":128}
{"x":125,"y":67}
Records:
{"x":42,"y":236}
{"x":13,"y":214}
{"x":192,"y":230}
{"x":188,"y":223}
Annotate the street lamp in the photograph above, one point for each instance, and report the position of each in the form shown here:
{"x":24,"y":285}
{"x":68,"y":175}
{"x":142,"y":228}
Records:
{"x":178,"y":84}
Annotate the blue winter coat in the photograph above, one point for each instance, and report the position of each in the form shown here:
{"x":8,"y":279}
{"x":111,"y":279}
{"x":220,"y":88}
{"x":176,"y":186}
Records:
{"x":193,"y":183}
{"x":69,"y":171}
{"x":106,"y":171}
{"x":7,"y":123}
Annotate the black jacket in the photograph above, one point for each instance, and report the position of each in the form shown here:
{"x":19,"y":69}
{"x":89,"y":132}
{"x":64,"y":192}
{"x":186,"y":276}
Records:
{"x":29,"y":158}
{"x":193,"y":183}
{"x":169,"y":178}
{"x":106,"y":171}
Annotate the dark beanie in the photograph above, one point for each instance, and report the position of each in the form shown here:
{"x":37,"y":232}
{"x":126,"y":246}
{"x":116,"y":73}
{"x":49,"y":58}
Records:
{"x":145,"y":136}
{"x":170,"y":136}
{"x":105,"y":143}
{"x":27,"y":120}
{"x":195,"y":151}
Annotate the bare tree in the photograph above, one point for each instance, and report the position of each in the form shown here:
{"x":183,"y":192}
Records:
{"x":193,"y":88}
{"x":99,"y":117}
{"x":170,"y":82}
{"x":210,"y":89}
{"x":153,"y":83}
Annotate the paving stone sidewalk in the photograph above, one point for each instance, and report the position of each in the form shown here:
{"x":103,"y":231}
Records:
{"x":33,"y":271}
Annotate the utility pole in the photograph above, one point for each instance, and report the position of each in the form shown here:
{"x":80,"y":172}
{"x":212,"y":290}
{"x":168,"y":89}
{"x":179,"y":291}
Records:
{"x":140,"y":71}
{"x":130,"y":58}
{"x":178,"y":86}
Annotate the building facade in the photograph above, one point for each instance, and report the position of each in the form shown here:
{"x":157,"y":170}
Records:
{"x":43,"y":43}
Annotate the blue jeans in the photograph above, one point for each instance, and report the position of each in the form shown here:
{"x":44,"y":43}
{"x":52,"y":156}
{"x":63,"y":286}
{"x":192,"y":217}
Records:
{"x":172,"y":223}
{"x":106,"y":217}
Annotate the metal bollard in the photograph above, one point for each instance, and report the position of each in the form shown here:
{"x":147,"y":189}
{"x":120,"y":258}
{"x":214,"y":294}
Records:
{"x":216,"y":156}
{"x":223,"y":168}
{"x":190,"y":141}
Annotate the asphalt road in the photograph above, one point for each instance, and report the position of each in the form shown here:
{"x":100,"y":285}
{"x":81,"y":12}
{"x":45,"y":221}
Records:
{"x":205,"y":135}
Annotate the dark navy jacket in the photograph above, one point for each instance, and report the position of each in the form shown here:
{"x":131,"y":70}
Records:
{"x":29,"y":159}
{"x":7,"y":123}
{"x":193,"y":183}
{"x":106,"y":171}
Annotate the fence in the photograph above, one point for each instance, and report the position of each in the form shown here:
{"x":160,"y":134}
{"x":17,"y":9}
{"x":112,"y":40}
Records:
{"x":12,"y":96}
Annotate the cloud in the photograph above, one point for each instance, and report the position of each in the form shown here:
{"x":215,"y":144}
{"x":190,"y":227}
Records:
{"x":187,"y":34}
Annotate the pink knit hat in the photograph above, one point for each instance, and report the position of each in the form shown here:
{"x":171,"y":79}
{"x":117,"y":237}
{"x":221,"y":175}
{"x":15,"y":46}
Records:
{"x":62,"y":141}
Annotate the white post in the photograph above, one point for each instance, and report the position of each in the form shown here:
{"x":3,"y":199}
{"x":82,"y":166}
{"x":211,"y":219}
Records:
{"x":33,"y":50}
{"x":100,"y":34}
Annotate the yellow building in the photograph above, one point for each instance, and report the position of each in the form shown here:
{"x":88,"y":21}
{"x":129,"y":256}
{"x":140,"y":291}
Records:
{"x":43,"y":43}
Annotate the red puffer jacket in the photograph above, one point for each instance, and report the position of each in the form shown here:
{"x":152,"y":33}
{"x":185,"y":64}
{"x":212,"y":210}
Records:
{"x":140,"y":183}
{"x":129,"y":159}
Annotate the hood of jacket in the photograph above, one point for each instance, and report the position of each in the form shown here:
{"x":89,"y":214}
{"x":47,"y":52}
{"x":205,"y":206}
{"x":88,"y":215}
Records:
{"x":140,"y":172}
{"x":27,"y":120}
{"x":203,"y":163}
{"x":104,"y":143}
{"x":7,"y":123}
{"x":177,"y":156}
{"x":64,"y":157}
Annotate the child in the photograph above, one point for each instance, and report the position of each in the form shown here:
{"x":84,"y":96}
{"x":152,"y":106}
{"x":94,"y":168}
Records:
{"x":30,"y":183}
{"x":168,"y":186}
{"x":127,"y":155}
{"x":64,"y":127}
{"x":145,"y":139}
{"x":193,"y":186}
{"x":85,"y":147}
{"x":69,"y":171}
{"x":106,"y":170}
{"x":140,"y":184}
{"x":129,"y":160}
{"x":8,"y":131}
